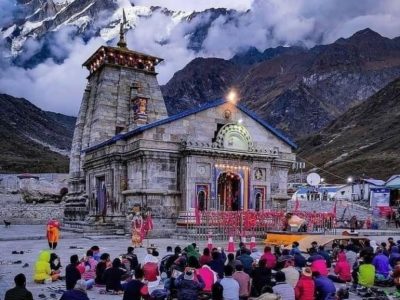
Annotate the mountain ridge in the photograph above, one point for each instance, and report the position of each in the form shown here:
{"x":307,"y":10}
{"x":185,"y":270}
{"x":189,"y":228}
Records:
{"x":364,"y":141}
{"x":322,"y":82}
{"x":33,"y":140}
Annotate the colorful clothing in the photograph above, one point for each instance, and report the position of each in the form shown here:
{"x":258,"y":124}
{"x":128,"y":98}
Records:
{"x":325,"y":288}
{"x":89,"y":267}
{"x":42,"y":267}
{"x":150,"y":271}
{"x":53,"y":233}
{"x":209,"y":277}
{"x":381,"y":263}
{"x":192,"y":252}
{"x":366,"y":275}
{"x":319,"y":265}
{"x":305,"y":288}
{"x":342,"y":268}
{"x":270,"y":259}
{"x":136,"y":226}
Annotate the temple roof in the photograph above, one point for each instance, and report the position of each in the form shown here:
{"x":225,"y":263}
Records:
{"x":123,"y":57}
{"x":122,"y":51}
{"x":189,"y":112}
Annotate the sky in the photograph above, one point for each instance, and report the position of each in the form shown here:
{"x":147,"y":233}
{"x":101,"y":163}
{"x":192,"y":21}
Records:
{"x":257,"y":23}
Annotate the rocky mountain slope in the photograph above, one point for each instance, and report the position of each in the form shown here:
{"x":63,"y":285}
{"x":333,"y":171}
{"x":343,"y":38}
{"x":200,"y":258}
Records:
{"x":298,"y":90}
{"x":364,"y":141}
{"x":33,"y":140}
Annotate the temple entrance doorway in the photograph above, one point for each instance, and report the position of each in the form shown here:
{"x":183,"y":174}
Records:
{"x":201,"y":200}
{"x":229,"y":191}
{"x":101,"y":196}
{"x":258,"y":202}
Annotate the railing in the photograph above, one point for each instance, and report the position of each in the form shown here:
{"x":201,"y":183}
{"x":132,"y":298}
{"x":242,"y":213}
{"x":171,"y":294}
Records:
{"x":224,"y":224}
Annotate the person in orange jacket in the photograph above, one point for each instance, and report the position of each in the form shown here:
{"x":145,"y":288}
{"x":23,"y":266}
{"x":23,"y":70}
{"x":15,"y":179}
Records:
{"x":53,"y":233}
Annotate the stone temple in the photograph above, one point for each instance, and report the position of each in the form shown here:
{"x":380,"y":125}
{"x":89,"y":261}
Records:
{"x":127,"y":151}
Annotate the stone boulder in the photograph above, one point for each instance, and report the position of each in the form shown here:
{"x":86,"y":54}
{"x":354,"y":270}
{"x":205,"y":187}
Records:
{"x":41,"y":190}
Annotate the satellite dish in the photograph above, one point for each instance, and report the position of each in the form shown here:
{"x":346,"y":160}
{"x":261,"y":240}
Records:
{"x":313,"y":179}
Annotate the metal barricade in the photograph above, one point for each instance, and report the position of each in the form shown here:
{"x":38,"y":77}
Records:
{"x":220,"y":225}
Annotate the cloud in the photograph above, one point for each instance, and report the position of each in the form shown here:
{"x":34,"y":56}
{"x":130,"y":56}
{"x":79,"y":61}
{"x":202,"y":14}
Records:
{"x":51,"y":86}
{"x":268,"y":23}
{"x":8,"y":11}
{"x":196,"y":5}
{"x":161,"y":36}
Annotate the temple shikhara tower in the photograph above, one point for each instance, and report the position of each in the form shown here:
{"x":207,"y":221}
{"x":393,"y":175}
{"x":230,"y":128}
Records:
{"x":128,"y":152}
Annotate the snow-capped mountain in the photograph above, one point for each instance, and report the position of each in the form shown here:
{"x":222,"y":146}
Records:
{"x":39,"y":20}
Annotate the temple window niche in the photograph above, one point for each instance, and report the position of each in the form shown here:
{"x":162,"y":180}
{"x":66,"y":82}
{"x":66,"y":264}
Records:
{"x":139,"y":110}
{"x":235,"y":137}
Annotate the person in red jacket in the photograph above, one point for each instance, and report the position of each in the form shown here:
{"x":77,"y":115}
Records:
{"x":342,"y":270}
{"x":305,"y":287}
{"x":269,"y":258}
{"x":150,"y":268}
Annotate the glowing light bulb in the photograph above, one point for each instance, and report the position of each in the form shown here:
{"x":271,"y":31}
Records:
{"x":232,"y":96}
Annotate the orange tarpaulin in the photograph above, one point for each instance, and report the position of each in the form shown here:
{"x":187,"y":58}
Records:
{"x":282,"y":239}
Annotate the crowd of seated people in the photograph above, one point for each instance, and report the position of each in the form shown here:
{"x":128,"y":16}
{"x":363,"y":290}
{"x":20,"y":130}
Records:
{"x":185,"y":274}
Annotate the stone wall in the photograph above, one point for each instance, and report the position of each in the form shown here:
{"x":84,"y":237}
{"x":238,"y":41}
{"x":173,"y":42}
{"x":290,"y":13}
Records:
{"x":48,"y":182}
{"x":15,"y":210}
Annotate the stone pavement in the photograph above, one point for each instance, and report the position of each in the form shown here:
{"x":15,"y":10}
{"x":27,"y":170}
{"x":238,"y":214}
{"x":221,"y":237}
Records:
{"x":29,"y":242}
{"x":31,"y":239}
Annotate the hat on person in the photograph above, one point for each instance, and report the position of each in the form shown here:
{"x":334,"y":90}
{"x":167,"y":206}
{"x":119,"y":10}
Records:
{"x":189,"y":275}
{"x":80,"y":285}
{"x":307,"y":271}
